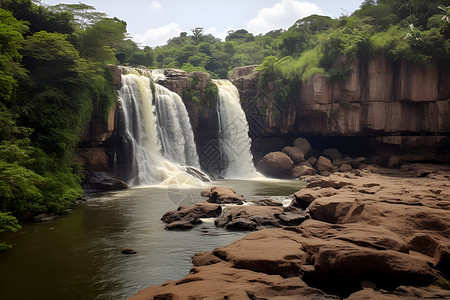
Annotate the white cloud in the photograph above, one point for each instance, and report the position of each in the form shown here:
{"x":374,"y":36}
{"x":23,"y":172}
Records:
{"x":155,"y":5}
{"x":158,"y":36}
{"x":281,"y":15}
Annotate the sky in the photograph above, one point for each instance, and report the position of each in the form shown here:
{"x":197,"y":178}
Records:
{"x":153,"y":22}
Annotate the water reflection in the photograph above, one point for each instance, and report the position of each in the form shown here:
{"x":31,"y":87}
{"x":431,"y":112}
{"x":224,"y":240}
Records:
{"x":78,"y":256}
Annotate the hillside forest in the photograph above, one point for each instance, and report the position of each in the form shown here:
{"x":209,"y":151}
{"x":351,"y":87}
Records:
{"x":54,"y":76}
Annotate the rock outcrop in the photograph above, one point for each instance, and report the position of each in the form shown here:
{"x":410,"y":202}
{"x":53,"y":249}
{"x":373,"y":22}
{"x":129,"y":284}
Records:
{"x":398,"y":106}
{"x":101,"y":182}
{"x":186,"y":217}
{"x":379,"y":234}
{"x":222,"y":195}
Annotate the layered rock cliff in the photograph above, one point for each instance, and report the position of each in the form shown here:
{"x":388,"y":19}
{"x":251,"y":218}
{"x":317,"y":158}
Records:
{"x":392,"y":106}
{"x":383,"y":108}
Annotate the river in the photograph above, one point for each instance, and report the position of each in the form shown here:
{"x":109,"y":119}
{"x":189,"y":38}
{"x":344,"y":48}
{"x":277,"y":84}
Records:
{"x":78,"y":255}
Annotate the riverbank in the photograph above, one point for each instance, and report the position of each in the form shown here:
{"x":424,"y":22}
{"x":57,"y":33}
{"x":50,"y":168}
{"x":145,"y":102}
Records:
{"x":375,"y":233}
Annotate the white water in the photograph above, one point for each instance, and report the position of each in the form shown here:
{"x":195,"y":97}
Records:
{"x":174,"y":128}
{"x":233,"y":127}
{"x":159,"y":130}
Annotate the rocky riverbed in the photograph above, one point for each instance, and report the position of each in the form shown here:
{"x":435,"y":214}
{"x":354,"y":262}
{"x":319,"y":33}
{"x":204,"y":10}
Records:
{"x":374,"y":233}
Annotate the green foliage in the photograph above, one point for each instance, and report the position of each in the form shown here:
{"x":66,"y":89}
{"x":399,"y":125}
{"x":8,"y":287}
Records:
{"x":411,"y":44}
{"x":39,"y":17}
{"x":212,"y":92}
{"x":190,"y":68}
{"x":11,"y":37}
{"x":272,"y":81}
{"x":83,"y":15}
{"x":99,"y":41}
{"x":445,"y":13}
{"x":7,"y":223}
{"x":192,"y":95}
{"x":49,"y":92}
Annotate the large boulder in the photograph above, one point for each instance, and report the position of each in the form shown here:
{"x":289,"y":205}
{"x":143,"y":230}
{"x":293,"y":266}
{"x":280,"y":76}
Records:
{"x":102,"y":182}
{"x":185,"y":218}
{"x":200,"y":209}
{"x":332,"y":153}
{"x":276,"y":164}
{"x":303,"y":145}
{"x":295,"y":154}
{"x":222,"y":195}
{"x":323,"y":164}
{"x":250,"y":217}
{"x":303,"y":198}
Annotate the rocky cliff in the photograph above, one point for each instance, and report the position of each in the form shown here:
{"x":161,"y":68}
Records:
{"x":385,"y":108}
{"x":392,"y":106}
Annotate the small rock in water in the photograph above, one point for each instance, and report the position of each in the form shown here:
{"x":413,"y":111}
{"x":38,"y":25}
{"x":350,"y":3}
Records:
{"x":128,"y":251}
{"x":44,"y":217}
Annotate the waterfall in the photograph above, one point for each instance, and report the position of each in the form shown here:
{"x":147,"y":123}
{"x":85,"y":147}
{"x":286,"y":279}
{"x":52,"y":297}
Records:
{"x":157,"y":130}
{"x":233,"y":129}
{"x":175,"y":129}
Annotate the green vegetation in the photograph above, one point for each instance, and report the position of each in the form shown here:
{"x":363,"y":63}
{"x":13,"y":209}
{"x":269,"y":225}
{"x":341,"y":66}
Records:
{"x":53,"y":80}
{"x":7,"y":223}
{"x":416,"y":31}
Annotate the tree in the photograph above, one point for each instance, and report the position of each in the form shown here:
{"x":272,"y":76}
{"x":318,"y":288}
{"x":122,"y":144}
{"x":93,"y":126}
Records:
{"x":83,"y":15}
{"x":40,"y":17}
{"x":197,"y":35}
{"x":100,"y":41}
{"x":11,"y":38}
{"x":241,"y":35}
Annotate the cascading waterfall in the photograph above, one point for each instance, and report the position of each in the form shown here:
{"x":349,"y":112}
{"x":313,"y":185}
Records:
{"x":174,"y":128}
{"x":158,"y":130}
{"x":235,"y":142}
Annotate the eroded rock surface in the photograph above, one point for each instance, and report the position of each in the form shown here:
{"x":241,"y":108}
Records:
{"x":379,"y":234}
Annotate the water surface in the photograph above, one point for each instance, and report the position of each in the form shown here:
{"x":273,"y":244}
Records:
{"x":78,"y":255}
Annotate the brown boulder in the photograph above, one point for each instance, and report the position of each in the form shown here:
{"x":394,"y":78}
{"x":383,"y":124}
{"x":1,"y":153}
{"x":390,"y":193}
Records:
{"x":305,"y":197}
{"x":302,"y":170}
{"x":332,"y":153}
{"x":222,"y":195}
{"x":200,"y":209}
{"x":276,"y":164}
{"x":182,"y":224}
{"x":345,"y":168}
{"x":101,"y":182}
{"x":303,"y":145}
{"x":185,"y":218}
{"x":323,"y":164}
{"x":250,"y":217}
{"x":341,"y":256}
{"x":295,"y":154}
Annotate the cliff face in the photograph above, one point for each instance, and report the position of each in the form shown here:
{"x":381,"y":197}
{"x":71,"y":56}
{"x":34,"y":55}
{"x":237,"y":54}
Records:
{"x":387,"y":103}
{"x":379,"y":96}
{"x":383,"y":107}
